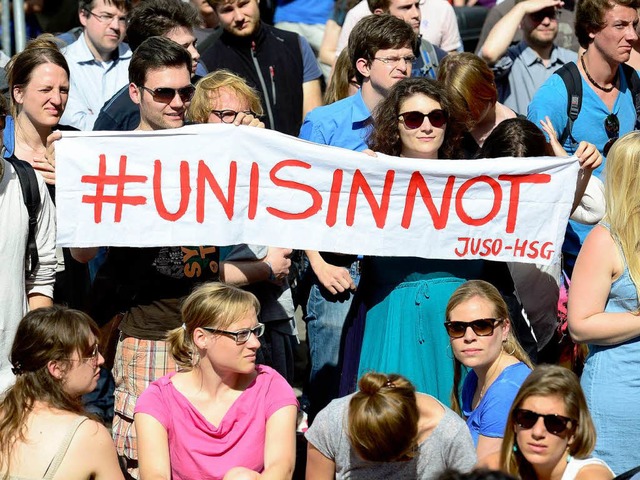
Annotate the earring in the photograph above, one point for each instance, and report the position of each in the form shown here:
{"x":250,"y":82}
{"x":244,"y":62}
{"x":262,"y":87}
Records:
{"x":513,"y":348}
{"x":515,"y":448}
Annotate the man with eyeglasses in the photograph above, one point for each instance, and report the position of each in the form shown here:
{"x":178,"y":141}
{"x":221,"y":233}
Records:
{"x":428,"y":56}
{"x":381,"y":52}
{"x":98,"y":60}
{"x":21,"y":291}
{"x":147,"y":284}
{"x":521,"y":69}
{"x":172,"y":19}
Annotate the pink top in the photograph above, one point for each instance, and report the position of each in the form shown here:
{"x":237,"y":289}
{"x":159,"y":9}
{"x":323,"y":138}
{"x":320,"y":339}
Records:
{"x":197,"y":448}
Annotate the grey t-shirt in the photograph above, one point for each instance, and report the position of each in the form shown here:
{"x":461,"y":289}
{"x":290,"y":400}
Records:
{"x":448,"y":446}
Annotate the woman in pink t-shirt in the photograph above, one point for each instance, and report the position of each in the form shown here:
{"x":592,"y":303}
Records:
{"x":221,"y":417}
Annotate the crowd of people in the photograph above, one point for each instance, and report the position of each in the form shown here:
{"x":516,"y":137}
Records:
{"x":178,"y":361}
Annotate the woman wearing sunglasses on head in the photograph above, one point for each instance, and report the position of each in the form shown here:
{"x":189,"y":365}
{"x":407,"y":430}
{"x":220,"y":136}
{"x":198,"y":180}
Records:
{"x":405,"y":297}
{"x":387,"y":430}
{"x":482,"y":340}
{"x":549,"y":432}
{"x":604,"y":310}
{"x":44,"y":430}
{"x":221,"y":416}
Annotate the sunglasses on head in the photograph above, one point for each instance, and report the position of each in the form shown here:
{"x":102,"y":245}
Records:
{"x":483,"y":327}
{"x":555,"y":424}
{"x":167,"y":94}
{"x":550,"y":13}
{"x":413,"y":120}
{"x":612,"y":127}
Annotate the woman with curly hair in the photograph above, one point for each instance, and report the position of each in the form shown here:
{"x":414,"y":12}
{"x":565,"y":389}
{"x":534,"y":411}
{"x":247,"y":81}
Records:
{"x":44,"y":431}
{"x":549,"y":433}
{"x":405,"y":297}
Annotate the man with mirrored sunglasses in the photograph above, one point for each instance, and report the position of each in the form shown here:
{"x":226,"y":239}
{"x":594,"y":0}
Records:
{"x":147,"y":284}
{"x":521,"y":69}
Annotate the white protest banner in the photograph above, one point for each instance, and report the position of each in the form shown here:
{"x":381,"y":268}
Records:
{"x":223,"y":185}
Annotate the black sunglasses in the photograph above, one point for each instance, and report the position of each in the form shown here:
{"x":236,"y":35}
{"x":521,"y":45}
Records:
{"x":555,"y":424}
{"x":167,"y":94}
{"x":413,"y":120}
{"x":229,"y":116}
{"x":540,"y":15}
{"x":483,"y":327}
{"x":612,"y":127}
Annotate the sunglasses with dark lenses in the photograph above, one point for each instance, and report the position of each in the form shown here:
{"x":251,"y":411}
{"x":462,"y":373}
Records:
{"x":483,"y":327}
{"x":167,"y":94}
{"x":612,"y":127}
{"x":555,"y":424}
{"x":550,"y":13}
{"x":413,"y":120}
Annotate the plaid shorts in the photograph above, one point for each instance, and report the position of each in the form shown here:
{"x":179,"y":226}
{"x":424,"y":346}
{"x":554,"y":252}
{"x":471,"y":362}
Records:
{"x":137,"y":363}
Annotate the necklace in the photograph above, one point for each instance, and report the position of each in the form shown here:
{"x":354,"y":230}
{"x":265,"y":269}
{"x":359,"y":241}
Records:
{"x":595,"y":84}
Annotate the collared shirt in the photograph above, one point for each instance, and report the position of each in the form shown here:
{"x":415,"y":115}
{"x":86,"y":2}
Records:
{"x":521,"y":72}
{"x":92,"y":82}
{"x":341,"y":124}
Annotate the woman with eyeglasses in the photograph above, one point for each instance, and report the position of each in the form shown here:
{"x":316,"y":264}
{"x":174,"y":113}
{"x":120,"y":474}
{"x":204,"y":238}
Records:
{"x":405,"y":297}
{"x":45,"y":432}
{"x":474,"y":98}
{"x":387,"y":430}
{"x":482,"y":340}
{"x":222,"y":416}
{"x":603,"y":309}
{"x":549,"y":433}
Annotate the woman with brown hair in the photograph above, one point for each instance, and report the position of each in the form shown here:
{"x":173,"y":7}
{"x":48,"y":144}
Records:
{"x":386,"y":429}
{"x":474,"y":98}
{"x":44,"y":431}
{"x":549,"y":432}
{"x":482,"y":340}
{"x":405,"y":297}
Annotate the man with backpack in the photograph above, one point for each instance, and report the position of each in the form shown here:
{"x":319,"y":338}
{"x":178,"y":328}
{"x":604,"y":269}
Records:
{"x":27,"y":249}
{"x":597,"y":99}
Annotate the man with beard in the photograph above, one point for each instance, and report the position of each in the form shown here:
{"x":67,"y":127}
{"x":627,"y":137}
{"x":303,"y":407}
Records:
{"x":522,"y":68}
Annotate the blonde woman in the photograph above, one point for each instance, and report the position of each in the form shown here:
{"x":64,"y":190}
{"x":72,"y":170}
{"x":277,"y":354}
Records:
{"x":222,"y":416}
{"x":44,"y":430}
{"x":387,"y":430}
{"x":603,"y":309}
{"x":549,"y":434}
{"x":482,"y":340}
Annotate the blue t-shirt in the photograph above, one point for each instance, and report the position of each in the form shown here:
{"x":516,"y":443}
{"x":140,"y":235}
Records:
{"x":344,"y":123}
{"x":490,"y":416}
{"x":551,"y":100}
{"x":309,"y":12}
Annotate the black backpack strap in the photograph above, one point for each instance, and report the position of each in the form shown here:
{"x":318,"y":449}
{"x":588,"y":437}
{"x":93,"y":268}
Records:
{"x":573,"y":83}
{"x":31,"y":197}
{"x":633,"y":82}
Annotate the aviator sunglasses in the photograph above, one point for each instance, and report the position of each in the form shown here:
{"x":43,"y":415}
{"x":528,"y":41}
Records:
{"x":555,"y":424}
{"x":413,"y":120}
{"x":483,"y":327}
{"x":167,"y":94}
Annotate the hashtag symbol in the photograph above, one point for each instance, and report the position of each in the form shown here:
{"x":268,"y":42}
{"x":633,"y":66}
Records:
{"x":120,"y":180}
